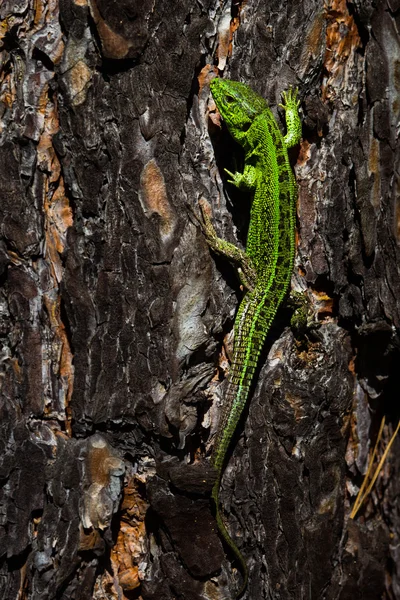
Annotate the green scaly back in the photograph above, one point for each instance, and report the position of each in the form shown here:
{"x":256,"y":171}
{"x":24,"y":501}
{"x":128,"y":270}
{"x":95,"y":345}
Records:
{"x":265,"y":267}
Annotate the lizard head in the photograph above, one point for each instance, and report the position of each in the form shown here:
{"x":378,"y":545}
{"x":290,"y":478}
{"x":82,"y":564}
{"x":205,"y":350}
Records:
{"x":238,"y":105}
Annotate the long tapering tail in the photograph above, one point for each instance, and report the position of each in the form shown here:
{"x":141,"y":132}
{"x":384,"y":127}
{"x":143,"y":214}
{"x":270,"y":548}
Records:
{"x":227,"y":538}
{"x":255,"y":315}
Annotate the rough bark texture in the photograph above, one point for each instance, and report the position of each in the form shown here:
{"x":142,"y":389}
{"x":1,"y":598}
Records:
{"x":114,"y":317}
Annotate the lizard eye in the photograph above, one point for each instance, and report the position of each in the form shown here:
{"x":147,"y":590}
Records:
{"x":229,"y":98}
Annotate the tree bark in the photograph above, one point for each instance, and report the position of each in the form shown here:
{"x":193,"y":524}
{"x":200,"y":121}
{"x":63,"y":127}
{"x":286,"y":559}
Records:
{"x":115,"y":319}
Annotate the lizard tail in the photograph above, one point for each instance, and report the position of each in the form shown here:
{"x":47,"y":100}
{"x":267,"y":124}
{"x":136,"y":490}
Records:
{"x":228,"y":540}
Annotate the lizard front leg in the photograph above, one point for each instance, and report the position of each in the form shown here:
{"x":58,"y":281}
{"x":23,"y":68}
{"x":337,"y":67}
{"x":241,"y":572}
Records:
{"x":246,"y":180}
{"x":293,"y":123}
{"x":243,"y":263}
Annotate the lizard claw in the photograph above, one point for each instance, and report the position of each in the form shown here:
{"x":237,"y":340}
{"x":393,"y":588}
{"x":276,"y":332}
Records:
{"x":206,"y":224}
{"x":194,"y":217}
{"x":233,"y":181}
{"x":290,"y":99}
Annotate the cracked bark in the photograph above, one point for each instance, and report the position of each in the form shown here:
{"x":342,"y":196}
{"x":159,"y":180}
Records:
{"x":115,"y":318}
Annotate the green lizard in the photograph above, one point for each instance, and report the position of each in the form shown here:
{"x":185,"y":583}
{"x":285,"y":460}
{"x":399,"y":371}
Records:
{"x":265,"y":268}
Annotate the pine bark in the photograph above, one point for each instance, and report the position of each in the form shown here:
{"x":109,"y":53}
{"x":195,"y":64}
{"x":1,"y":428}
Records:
{"x":115,"y":317}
